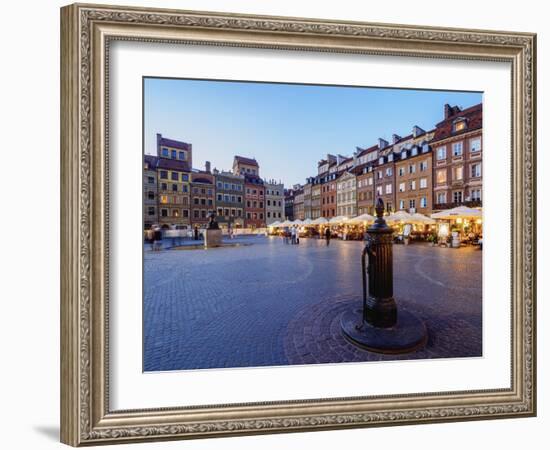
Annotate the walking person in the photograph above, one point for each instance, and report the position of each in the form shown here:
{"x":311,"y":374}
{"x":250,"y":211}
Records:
{"x":293,"y":235}
{"x":196,"y":233}
{"x":327,"y":235}
{"x":157,"y":239}
{"x":297,"y":238}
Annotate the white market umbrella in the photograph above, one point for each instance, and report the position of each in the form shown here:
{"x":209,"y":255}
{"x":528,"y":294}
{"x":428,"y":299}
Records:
{"x":337,"y":220}
{"x":319,"y":221}
{"x":362,"y":219}
{"x":399,"y":216}
{"x":460,"y":212}
{"x":286,"y":223}
{"x":275,"y":224}
{"x":422,"y":219}
{"x":298,"y":222}
{"x":307,"y":222}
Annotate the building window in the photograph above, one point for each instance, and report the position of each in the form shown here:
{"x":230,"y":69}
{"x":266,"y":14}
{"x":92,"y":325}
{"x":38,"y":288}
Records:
{"x":184,"y":177}
{"x":239,"y":199}
{"x":412,"y":203}
{"x":388,"y":188}
{"x":423,"y":183}
{"x":459,"y":126}
{"x":164,"y":199}
{"x":174,"y":154}
{"x":196,"y":213}
{"x":379,"y":190}
{"x":476,"y":195}
{"x":185,"y":213}
{"x":181,"y":156}
{"x":174,"y":188}
{"x":195,"y":201}
{"x":475,"y":145}
{"x":388,"y":172}
{"x":151,"y":180}
{"x":164,"y":213}
{"x":441,"y":197}
{"x":176,"y":213}
{"x":226,"y":198}
{"x":441,"y":153}
{"x":174,"y":176}
{"x":441,"y":176}
{"x":165,"y":152}
{"x":401,"y":187}
{"x":261,"y":204}
{"x":220,"y":197}
{"x":476,"y":170}
{"x":203,"y":213}
{"x":459,"y":173}
{"x":457,"y":149}
{"x":151,"y":195}
{"x":184,"y":188}
{"x":412,"y":168}
{"x":457,"y":196}
{"x":423,"y":166}
{"x":163,"y":187}
{"x":203,"y":201}
{"x":163,"y":174}
{"x":151,"y":210}
{"x":412,"y":185}
{"x":401,"y":171}
{"x":423,"y":202}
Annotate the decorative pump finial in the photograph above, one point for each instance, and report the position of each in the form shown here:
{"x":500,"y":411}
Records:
{"x":379,"y":208}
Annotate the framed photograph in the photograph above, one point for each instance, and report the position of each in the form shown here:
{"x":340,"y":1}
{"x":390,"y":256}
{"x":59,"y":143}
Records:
{"x":276,"y":224}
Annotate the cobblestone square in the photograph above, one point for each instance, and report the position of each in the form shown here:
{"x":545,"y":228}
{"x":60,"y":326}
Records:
{"x":266,"y":303}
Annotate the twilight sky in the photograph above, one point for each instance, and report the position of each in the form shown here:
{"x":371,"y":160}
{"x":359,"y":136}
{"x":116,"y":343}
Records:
{"x":287,"y":128}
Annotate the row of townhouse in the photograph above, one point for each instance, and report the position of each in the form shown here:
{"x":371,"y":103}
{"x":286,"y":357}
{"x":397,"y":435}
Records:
{"x":425,"y":171}
{"x":176,"y":195}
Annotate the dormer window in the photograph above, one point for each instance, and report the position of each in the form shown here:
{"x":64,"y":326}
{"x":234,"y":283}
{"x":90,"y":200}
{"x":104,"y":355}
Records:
{"x":425,"y":147}
{"x":381,"y":160}
{"x":404,"y":154}
{"x":390,"y":157}
{"x":414,"y":151}
{"x":459,"y":125}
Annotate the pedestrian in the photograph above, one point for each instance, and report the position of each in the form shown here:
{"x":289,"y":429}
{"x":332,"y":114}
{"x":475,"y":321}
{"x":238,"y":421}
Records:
{"x":157,"y":239}
{"x":293,"y":235}
{"x":327,"y":235}
{"x":297,"y":236}
{"x":196,"y":233}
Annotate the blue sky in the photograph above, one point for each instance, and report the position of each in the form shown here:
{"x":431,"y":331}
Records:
{"x":286,"y":127}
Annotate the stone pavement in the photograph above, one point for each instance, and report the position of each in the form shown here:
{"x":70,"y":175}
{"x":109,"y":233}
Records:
{"x":269,"y":304}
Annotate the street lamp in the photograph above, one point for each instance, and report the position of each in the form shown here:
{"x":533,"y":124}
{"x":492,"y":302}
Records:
{"x":379,"y":326}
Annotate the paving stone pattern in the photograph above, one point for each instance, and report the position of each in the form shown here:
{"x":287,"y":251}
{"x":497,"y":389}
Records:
{"x":270,"y":303}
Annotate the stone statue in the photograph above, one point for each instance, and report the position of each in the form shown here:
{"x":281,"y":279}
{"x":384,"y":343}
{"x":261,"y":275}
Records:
{"x":212,"y":224}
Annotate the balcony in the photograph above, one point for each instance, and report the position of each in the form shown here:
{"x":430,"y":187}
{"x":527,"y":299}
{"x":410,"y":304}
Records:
{"x":469,"y":203}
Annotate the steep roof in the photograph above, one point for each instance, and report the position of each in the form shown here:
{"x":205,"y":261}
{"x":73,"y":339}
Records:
{"x":172,"y":143}
{"x":474,"y":121}
{"x":151,"y":161}
{"x":245,"y":160}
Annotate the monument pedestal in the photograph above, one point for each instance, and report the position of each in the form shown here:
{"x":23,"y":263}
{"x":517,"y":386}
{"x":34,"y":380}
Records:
{"x":212,"y":238}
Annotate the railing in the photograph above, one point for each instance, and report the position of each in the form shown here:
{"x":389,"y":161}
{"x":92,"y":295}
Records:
{"x":470,"y":204}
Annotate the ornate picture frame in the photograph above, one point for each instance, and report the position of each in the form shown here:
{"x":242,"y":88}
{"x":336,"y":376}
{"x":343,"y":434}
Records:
{"x":86,"y":34}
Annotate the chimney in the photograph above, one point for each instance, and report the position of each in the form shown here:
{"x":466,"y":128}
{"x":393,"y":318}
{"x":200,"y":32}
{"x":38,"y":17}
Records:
{"x":450,"y":110}
{"x":382,"y":143}
{"x":417,"y":131}
{"x":395,"y":138}
{"x":207,"y":166}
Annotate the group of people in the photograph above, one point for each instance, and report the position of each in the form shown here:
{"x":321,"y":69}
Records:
{"x":291,"y":236}
{"x":154,"y":236}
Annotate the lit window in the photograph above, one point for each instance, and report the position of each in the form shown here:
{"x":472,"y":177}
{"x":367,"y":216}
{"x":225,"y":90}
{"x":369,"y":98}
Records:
{"x":164,"y":199}
{"x":441,"y":176}
{"x":459,"y":126}
{"x":459,"y":173}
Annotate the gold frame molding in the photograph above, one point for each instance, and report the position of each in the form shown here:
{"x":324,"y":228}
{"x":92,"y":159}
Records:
{"x":86,"y":31}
